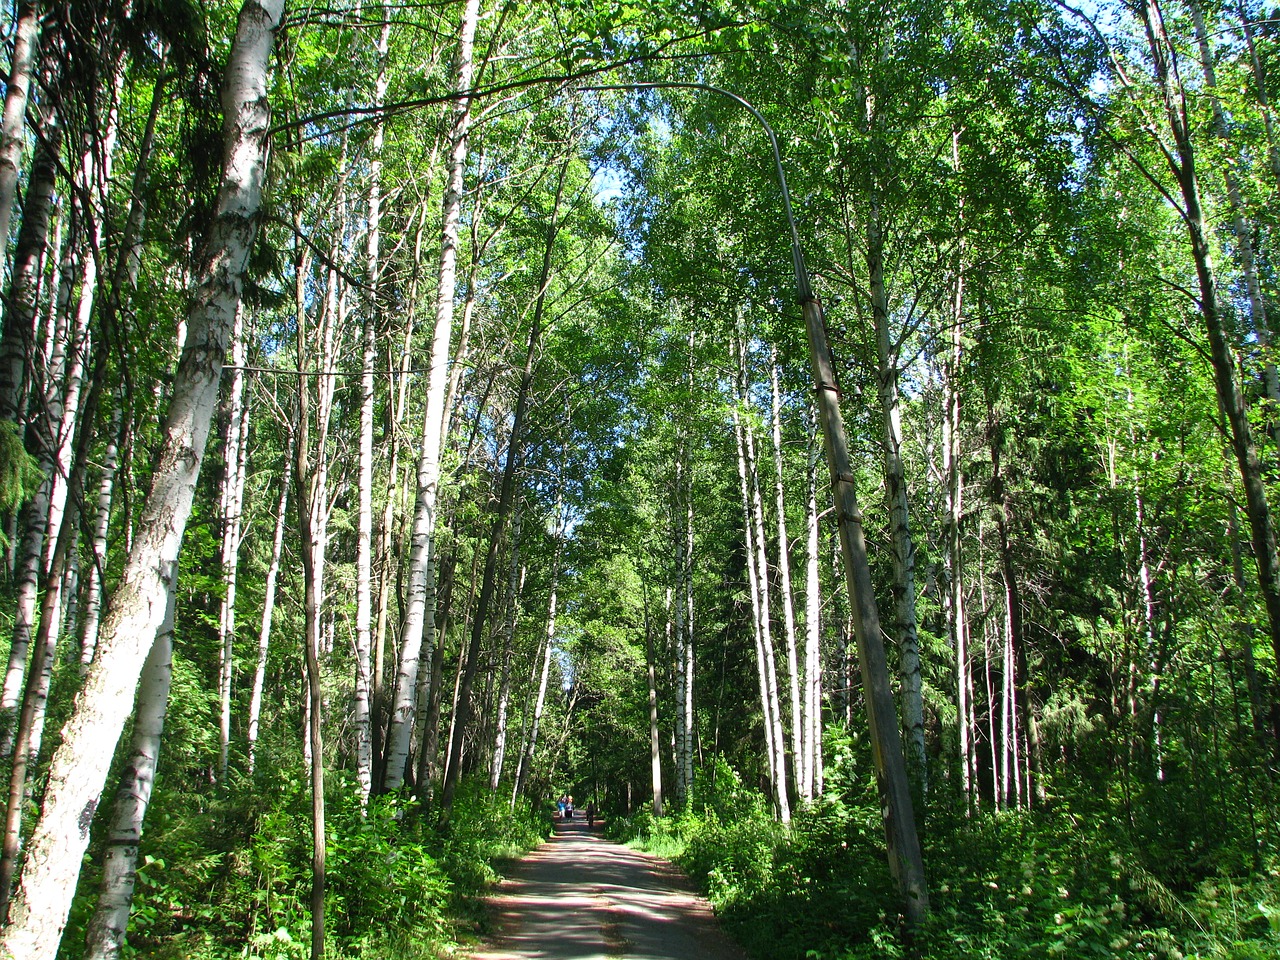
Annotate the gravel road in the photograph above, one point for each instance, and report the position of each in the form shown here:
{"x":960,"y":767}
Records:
{"x":582,"y":897}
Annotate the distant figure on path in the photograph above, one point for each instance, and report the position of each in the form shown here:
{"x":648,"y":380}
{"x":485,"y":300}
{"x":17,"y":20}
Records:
{"x":591,"y":814}
{"x":568,"y":808}
{"x":564,"y":799}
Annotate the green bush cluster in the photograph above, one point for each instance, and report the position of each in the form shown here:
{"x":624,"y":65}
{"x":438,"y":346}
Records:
{"x":229,"y":875}
{"x":1005,"y":886}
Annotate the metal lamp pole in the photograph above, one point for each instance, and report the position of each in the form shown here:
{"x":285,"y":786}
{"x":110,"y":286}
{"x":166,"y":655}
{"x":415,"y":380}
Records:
{"x":905,"y":860}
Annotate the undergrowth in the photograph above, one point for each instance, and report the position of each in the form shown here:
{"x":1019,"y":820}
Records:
{"x":1008,"y":886}
{"x":224,"y":877}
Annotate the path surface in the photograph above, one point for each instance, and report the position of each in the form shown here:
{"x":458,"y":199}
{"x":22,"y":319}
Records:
{"x":582,"y":897}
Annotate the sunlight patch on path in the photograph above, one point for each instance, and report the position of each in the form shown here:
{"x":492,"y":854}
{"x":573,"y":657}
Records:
{"x":581,"y":897}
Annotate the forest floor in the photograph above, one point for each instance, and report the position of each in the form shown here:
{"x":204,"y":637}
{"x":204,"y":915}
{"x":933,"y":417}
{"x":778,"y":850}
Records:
{"x":582,"y":897}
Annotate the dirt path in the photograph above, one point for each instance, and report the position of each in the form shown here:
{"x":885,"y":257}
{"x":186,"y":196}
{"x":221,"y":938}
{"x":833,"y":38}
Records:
{"x":582,"y":897}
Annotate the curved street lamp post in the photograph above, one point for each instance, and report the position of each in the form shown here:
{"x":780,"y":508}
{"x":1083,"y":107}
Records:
{"x":905,"y":860}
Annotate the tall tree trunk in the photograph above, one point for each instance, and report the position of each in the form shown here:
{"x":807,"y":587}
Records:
{"x":1018,"y":679}
{"x":895,"y":490}
{"x":760,"y":615}
{"x":515,"y":584}
{"x":953,"y":605}
{"x":17,"y":346}
{"x":98,"y":548}
{"x":506,"y":498}
{"x":234,"y":464}
{"x":548,"y":642}
{"x":362,"y":718}
{"x":26,"y":44}
{"x":906,"y":862}
{"x":424,"y":519}
{"x":1241,"y":228}
{"x":811,"y":784}
{"x":798,"y":745}
{"x":655,"y":740}
{"x":79,"y":767}
{"x":1182,"y":163}
{"x":120,"y":863}
{"x":269,"y":605}
{"x":762,"y":586}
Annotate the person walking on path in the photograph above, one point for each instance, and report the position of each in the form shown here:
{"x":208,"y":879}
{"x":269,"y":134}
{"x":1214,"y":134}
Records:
{"x":591,"y":814}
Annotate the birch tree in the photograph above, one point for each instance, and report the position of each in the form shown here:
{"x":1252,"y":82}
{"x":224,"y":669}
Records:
{"x":79,"y":766}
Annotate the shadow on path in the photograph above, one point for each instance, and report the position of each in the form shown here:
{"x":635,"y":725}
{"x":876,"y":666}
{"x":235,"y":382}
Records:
{"x":582,"y":897}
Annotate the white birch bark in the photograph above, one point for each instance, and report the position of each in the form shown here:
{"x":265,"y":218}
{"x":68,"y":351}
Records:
{"x":269,"y":605}
{"x":95,"y":182}
{"x":515,"y":586}
{"x":798,"y":746}
{"x":26,"y":43}
{"x":895,"y":484}
{"x":17,"y":346}
{"x":760,"y":624}
{"x":98,"y":548}
{"x":120,"y":864}
{"x":756,"y":515}
{"x":80,"y":765}
{"x":676,"y":638}
{"x":232,"y":496}
{"x":811,"y":774}
{"x":424,"y":518}
{"x":362,"y":710}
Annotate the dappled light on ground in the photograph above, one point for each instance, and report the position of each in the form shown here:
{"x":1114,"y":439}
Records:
{"x":582,"y":897}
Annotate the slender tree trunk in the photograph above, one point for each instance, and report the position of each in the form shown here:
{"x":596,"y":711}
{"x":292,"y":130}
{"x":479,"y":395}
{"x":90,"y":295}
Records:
{"x":895,"y":488}
{"x":120,"y":863}
{"x":531,"y":744}
{"x":364,"y":523}
{"x":234,"y":463}
{"x":17,"y":346}
{"x":79,"y":767}
{"x":506,"y":498}
{"x":98,"y":551}
{"x":811,"y":784}
{"x":655,"y":740}
{"x":906,"y":863}
{"x":1240,"y":227}
{"x":756,"y":514}
{"x":760,"y":617}
{"x":269,"y":604}
{"x":26,"y":44}
{"x":424,"y":520}
{"x":798,"y":745}
{"x":1226,"y":380}
{"x":515,"y":584}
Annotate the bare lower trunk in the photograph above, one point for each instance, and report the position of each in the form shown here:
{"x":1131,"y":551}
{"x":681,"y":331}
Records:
{"x":515,"y":583}
{"x":120,"y":863}
{"x":811,"y":784}
{"x":80,"y":764}
{"x":798,"y":738}
{"x":269,"y":605}
{"x":234,"y":463}
{"x":895,"y":491}
{"x":759,"y":626}
{"x":655,"y":740}
{"x":98,"y":554}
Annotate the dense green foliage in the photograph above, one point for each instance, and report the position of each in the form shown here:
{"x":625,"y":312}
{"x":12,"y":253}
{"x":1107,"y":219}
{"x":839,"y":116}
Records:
{"x":994,"y":198}
{"x":1064,"y":882}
